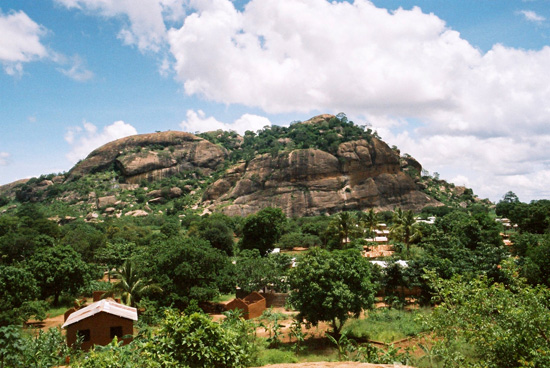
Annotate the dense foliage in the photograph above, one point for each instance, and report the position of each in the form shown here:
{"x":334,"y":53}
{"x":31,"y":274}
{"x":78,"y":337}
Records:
{"x":331,"y":286}
{"x":325,"y":135}
{"x":186,"y":269}
{"x":506,"y":325}
{"x":262,"y":230}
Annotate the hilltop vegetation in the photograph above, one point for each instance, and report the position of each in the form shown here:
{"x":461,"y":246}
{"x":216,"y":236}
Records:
{"x":325,"y":165}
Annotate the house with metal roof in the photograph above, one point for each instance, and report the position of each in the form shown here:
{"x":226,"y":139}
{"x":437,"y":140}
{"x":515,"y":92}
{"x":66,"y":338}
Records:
{"x":100,"y":322}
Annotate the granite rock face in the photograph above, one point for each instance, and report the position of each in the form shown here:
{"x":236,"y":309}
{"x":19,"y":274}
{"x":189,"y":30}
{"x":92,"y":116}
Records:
{"x":355,"y":175}
{"x":310,"y":182}
{"x":153,"y":156}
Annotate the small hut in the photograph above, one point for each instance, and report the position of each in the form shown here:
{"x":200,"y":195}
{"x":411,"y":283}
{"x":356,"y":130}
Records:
{"x":100,"y":322}
{"x":253,"y":305}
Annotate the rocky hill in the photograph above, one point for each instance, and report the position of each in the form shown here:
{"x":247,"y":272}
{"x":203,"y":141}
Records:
{"x":324,"y":165}
{"x":305,"y":182}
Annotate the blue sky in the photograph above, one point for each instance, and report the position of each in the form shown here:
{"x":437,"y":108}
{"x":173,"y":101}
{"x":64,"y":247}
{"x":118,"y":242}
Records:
{"x":460,"y":85}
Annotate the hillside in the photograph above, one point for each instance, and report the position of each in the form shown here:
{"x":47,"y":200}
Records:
{"x":321,"y":166}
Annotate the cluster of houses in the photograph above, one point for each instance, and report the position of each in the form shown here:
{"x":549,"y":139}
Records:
{"x":103,"y":320}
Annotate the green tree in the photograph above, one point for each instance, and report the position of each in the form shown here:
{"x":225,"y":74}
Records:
{"x":85,"y":238}
{"x":11,"y":346}
{"x":114,"y":255}
{"x":253,"y":272}
{"x":368,"y":221}
{"x":18,"y":293}
{"x":506,"y":205}
{"x":187,"y":268}
{"x":59,"y":269}
{"x":216,"y":230}
{"x":195,"y":341}
{"x":331,"y":286}
{"x":130,"y":285}
{"x":405,"y":228}
{"x":343,"y":224}
{"x":506,"y":325}
{"x":263,"y":229}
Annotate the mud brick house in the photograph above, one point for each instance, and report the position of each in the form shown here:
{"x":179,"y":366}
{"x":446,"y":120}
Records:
{"x":100,"y":322}
{"x":252,"y":306}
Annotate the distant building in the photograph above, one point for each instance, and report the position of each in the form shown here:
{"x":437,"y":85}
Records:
{"x":100,"y":322}
{"x":430,"y":220}
{"x":252,"y":306}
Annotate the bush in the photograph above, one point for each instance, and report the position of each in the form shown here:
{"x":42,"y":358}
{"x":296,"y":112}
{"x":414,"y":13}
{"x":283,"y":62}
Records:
{"x":292,"y":240}
{"x":386,"y":325}
{"x":197,"y":341}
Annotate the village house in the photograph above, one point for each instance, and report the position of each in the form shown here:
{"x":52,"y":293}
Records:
{"x":100,"y":322}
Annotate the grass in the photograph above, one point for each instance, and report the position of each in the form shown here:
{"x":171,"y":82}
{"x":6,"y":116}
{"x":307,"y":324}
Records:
{"x":313,"y":350}
{"x":387,"y":325}
{"x":223,"y":298}
{"x":276,"y":356}
{"x":56,"y":311}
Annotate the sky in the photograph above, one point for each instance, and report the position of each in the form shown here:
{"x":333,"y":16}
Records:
{"x":462,"y":86}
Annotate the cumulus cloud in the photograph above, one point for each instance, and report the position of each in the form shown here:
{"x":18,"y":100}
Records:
{"x":485,"y":113}
{"x":144,"y":20}
{"x":84,"y":139}
{"x":20,"y":41}
{"x":197,"y":121}
{"x":532,"y":16}
{"x":316,"y":55}
{"x":4,"y":156}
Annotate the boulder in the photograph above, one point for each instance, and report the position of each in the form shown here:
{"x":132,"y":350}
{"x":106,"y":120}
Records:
{"x":106,"y":201}
{"x":153,"y":156}
{"x":362,"y":174}
{"x":136,"y":213}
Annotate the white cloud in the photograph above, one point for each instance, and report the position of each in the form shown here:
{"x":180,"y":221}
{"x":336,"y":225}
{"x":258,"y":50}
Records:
{"x":479,"y":117}
{"x":20,"y":41}
{"x":198,"y":122}
{"x":77,"y":69}
{"x":84,"y":139}
{"x":532,"y":16}
{"x":316,"y":55}
{"x":484,"y":116}
{"x":4,"y":156}
{"x":145,"y":27}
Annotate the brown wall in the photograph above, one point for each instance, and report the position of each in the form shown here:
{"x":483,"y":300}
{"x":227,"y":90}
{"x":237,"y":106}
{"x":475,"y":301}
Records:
{"x":275,"y":299}
{"x":414,"y":291}
{"x":252,"y":310}
{"x":256,"y":309}
{"x":100,"y":329}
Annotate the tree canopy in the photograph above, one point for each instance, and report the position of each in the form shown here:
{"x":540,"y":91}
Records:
{"x":263,"y":229}
{"x":186,"y":269}
{"x":329,"y":286}
{"x":18,"y":293}
{"x":59,"y":269}
{"x":506,"y":325}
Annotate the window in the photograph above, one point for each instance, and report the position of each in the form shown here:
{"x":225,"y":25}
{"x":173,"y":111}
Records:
{"x":116,"y":331}
{"x":83,"y":334}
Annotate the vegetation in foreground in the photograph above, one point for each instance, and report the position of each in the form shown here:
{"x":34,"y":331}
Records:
{"x":459,"y":263}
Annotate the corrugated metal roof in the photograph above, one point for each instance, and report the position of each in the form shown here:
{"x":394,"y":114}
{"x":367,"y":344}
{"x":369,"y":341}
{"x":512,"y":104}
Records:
{"x":105,"y":305}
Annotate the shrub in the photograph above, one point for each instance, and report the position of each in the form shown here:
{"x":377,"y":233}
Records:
{"x":196,"y":341}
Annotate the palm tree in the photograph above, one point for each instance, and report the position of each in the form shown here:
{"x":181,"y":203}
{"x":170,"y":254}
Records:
{"x":130,"y":286}
{"x":405,"y":228}
{"x":368,"y":221}
{"x":343,"y":224}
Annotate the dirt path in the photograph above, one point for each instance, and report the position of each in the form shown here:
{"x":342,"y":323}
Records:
{"x":335,"y":365}
{"x":47,"y":323}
